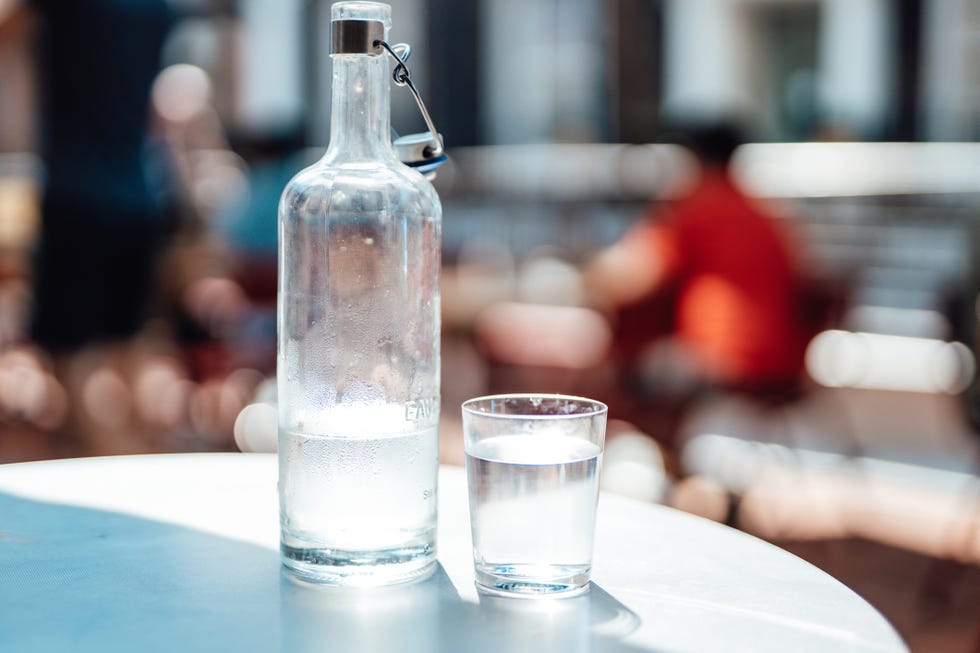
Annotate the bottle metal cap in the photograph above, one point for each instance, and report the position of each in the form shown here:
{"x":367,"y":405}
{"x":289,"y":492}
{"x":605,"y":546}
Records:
{"x":356,"y":36}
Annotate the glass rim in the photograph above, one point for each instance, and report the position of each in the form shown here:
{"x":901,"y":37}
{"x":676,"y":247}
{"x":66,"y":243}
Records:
{"x":596,"y":407}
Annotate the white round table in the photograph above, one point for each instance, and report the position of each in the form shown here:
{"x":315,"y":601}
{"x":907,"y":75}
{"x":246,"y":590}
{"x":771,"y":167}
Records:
{"x":180,"y":553}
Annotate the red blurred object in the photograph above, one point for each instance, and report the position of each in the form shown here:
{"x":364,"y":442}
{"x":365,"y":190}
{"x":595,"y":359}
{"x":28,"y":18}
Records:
{"x":730,"y":283}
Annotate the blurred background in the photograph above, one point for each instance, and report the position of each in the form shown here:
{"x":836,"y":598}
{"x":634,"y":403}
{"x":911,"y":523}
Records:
{"x":143,"y":147}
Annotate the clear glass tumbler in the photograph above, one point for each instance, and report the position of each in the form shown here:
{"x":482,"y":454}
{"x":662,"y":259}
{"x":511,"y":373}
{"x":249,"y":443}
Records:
{"x":532,"y":463}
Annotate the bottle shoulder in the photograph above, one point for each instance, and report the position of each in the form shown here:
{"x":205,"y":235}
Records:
{"x":366,"y":186}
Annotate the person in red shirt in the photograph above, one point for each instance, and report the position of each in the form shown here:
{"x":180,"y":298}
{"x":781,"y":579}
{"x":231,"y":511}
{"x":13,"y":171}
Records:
{"x":715,"y":271}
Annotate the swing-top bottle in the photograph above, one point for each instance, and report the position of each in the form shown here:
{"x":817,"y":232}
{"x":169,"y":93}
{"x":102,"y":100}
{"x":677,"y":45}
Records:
{"x":358,"y":342}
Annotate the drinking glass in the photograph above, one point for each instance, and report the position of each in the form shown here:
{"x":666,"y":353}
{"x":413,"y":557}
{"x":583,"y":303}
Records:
{"x":532,"y":466}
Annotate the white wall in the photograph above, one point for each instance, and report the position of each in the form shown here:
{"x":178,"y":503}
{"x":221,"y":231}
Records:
{"x":543,"y":70}
{"x":705,"y":58}
{"x":950,"y":81}
{"x":270,"y":92}
{"x":856,"y":78}
{"x":708,"y":46}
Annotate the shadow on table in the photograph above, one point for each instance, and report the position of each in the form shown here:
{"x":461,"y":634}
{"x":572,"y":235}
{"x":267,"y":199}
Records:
{"x":81,"y":579}
{"x":430,"y":616}
{"x":594,"y":621}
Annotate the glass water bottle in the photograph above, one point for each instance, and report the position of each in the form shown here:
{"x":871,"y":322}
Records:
{"x":358,"y":359}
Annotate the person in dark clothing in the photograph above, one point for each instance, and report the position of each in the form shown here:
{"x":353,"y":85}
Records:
{"x":103,"y":216}
{"x":104,"y":221}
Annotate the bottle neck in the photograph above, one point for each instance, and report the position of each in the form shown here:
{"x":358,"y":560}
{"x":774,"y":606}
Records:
{"x":360,"y":123}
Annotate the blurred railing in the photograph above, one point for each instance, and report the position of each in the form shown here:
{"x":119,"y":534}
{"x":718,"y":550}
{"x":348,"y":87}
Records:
{"x":798,"y":170}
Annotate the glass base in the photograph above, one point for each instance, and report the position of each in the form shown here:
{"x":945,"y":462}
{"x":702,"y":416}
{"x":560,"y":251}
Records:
{"x":532,"y":581}
{"x":359,"y":568}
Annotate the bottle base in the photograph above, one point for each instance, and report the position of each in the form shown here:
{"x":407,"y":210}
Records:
{"x":359,"y":568}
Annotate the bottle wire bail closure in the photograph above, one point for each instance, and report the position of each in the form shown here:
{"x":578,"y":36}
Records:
{"x":424,"y":152}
